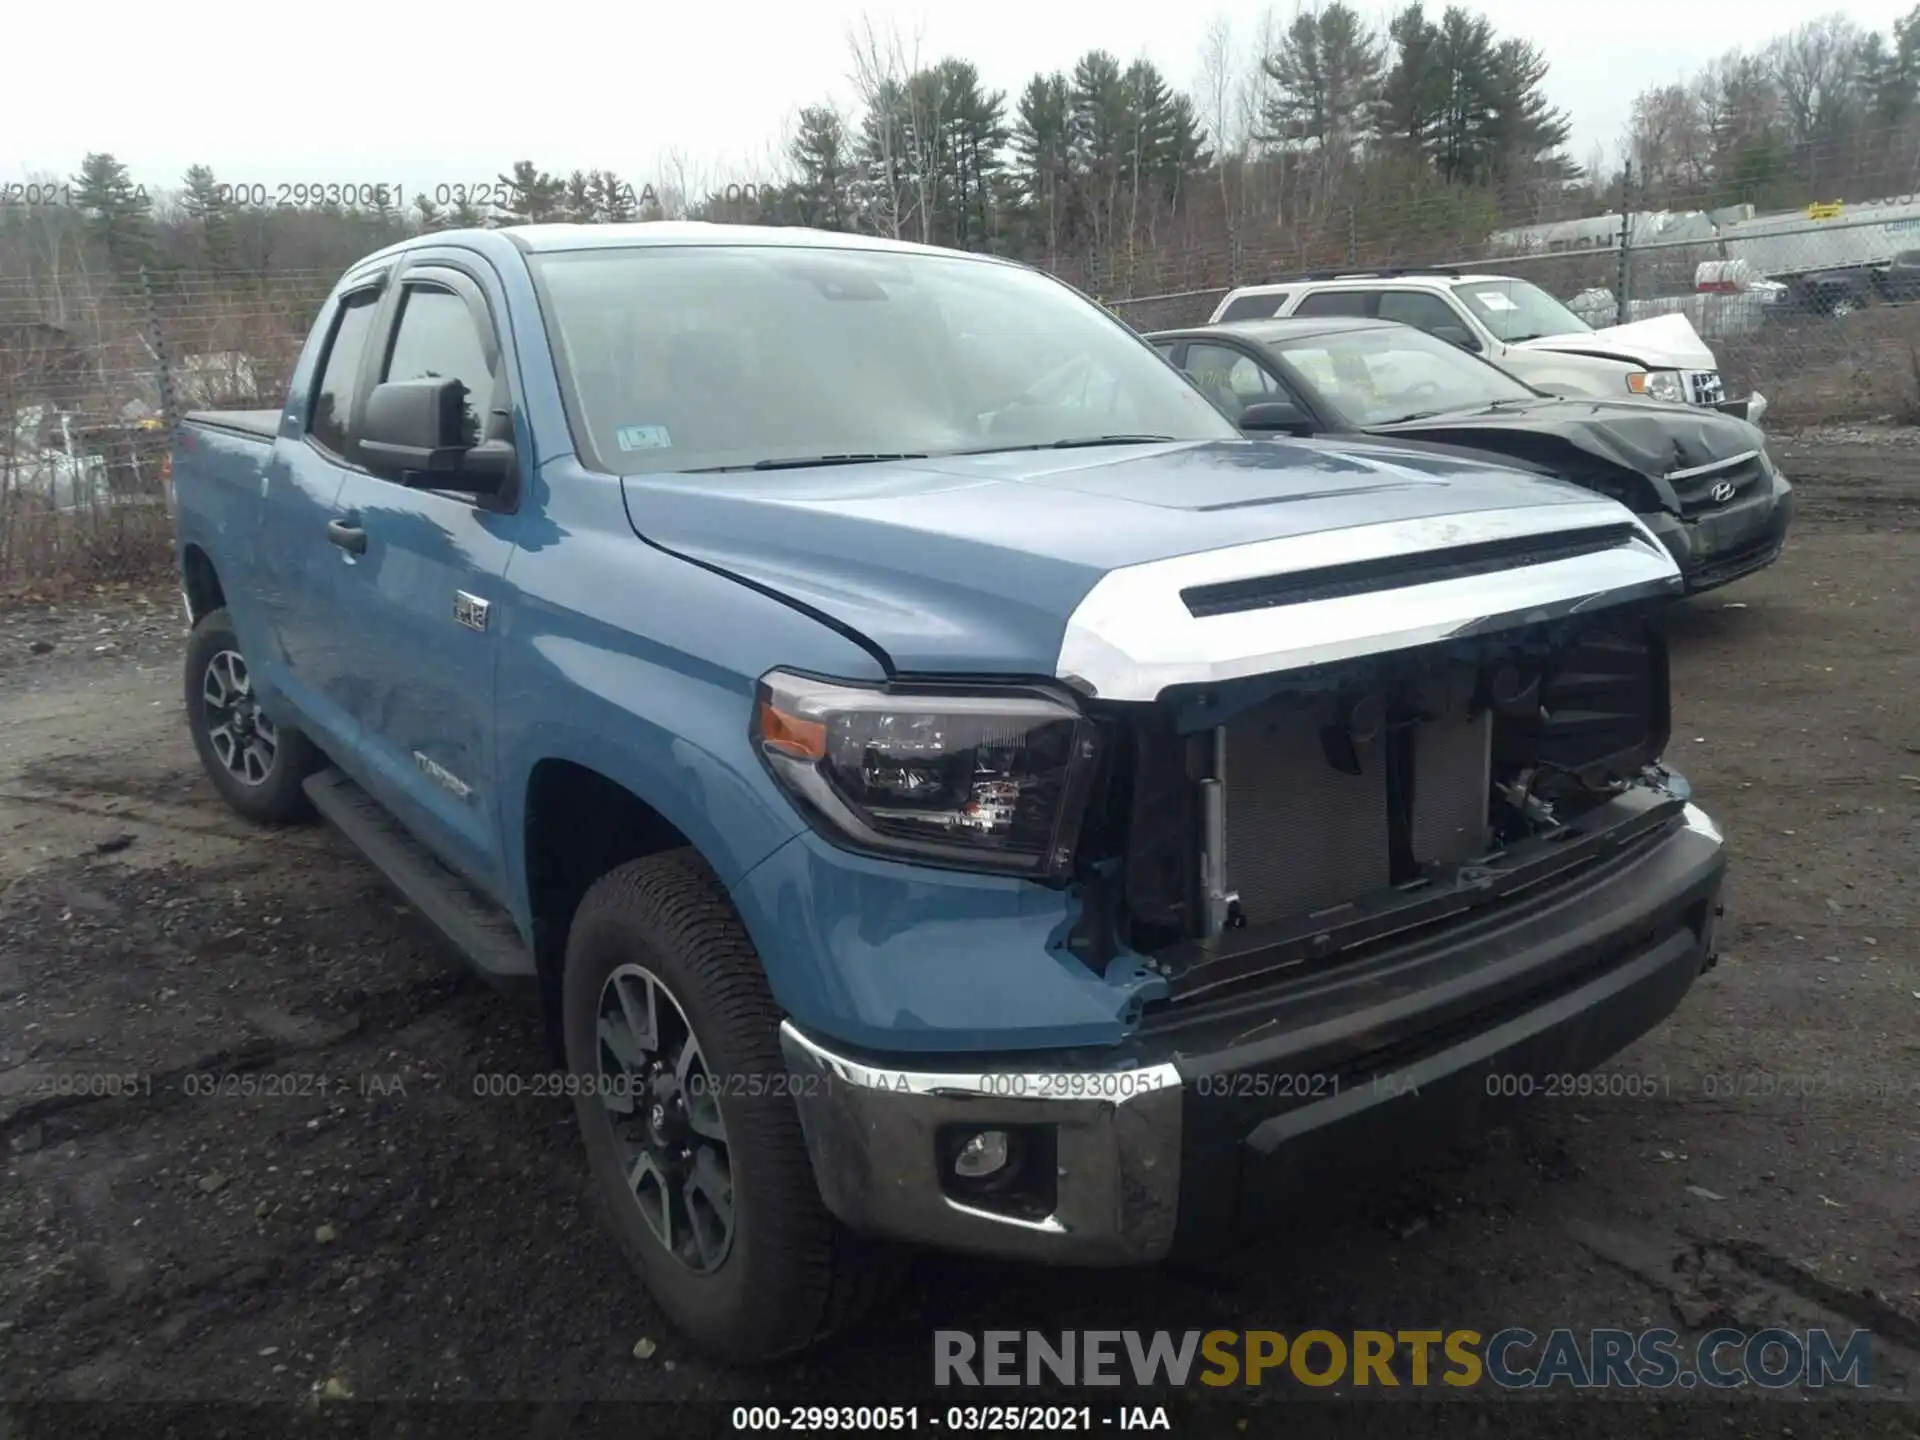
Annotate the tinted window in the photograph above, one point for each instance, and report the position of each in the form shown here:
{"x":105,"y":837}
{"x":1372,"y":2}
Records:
{"x":702,"y":357}
{"x":437,"y":338}
{"x":1422,"y":311}
{"x":330,"y":416}
{"x":1378,"y":376}
{"x":1231,"y":378}
{"x":1255,"y":307}
{"x":1335,"y":302}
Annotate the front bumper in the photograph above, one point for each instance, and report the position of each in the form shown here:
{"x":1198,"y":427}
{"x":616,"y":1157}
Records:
{"x":1719,"y":547}
{"x":1753,"y":409}
{"x":1174,"y":1137}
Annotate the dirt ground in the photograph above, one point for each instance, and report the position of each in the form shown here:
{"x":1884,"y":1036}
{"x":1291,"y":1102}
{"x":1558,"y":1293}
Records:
{"x":342,"y":1213}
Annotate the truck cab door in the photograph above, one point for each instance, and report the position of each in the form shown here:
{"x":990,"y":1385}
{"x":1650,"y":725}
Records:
{"x":290,"y":640}
{"x":419,"y":589}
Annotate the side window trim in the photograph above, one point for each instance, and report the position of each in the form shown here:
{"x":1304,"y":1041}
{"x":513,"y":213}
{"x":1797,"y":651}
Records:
{"x":376,"y":287}
{"x":455,"y":282}
{"x":1472,"y":321}
{"x":436,"y":274}
{"x":469,"y":288}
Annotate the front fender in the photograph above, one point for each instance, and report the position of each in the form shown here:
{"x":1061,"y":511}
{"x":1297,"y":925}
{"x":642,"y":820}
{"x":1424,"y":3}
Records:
{"x":641,"y":667}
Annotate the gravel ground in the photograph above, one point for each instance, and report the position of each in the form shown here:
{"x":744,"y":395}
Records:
{"x":343,"y":1214}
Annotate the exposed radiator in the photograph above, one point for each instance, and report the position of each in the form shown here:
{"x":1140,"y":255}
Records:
{"x":1302,"y":836}
{"x":1453,"y":770}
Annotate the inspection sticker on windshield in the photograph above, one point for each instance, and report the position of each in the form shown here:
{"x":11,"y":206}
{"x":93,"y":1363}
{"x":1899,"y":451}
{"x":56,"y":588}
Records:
{"x":643,"y":437}
{"x":1493,"y":300}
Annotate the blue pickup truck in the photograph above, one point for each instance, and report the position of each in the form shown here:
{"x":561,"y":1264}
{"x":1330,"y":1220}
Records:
{"x":943,"y":783}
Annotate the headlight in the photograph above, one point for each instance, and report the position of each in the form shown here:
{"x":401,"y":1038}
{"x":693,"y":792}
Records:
{"x":1658,"y":385}
{"x":975,"y":777}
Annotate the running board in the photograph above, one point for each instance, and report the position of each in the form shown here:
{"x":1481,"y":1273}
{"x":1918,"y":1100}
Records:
{"x":482,"y":932}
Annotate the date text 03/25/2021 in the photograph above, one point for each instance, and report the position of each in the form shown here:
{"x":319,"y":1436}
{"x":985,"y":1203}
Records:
{"x":960,"y":1419}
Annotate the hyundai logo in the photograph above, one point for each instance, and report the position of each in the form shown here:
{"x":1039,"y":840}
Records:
{"x":1722,"y":492}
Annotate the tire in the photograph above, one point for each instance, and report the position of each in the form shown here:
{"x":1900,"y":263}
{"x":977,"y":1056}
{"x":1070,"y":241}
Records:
{"x":787,"y":1276}
{"x":256,"y":765}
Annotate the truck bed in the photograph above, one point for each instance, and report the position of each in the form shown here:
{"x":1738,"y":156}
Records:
{"x":255,"y":424}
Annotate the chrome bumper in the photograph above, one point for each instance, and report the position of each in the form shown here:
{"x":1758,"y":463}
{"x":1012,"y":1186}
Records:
{"x":872,"y":1133}
{"x":1126,"y":1141}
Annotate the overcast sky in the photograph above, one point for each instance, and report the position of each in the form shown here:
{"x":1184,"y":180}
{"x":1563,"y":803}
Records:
{"x":354,"y":91}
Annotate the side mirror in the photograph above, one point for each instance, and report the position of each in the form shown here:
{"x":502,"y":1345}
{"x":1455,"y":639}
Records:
{"x":1457,"y":335}
{"x":420,"y":427}
{"x":1281,"y":415}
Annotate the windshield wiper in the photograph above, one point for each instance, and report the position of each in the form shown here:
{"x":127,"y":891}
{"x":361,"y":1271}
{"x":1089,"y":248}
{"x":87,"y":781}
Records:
{"x":1079,"y":443}
{"x":804,"y":462}
{"x":1492,"y":407}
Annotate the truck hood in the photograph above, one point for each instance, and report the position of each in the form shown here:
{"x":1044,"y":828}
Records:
{"x":1644,"y":437}
{"x":1662,"y":342}
{"x":975,"y":564}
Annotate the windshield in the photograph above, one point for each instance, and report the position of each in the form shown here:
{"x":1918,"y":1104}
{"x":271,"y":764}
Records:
{"x":1377,"y":376}
{"x":705,"y":357}
{"x":1515,"y":310}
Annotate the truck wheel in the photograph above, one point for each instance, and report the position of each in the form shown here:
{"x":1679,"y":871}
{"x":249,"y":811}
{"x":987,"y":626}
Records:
{"x":256,"y":765}
{"x":691,"y":1131}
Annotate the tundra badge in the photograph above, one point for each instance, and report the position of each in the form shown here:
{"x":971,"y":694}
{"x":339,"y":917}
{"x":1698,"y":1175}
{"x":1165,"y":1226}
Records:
{"x":470,"y":610}
{"x":442,"y":776}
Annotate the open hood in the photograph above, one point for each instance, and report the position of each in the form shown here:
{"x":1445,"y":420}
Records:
{"x":1664,"y":342}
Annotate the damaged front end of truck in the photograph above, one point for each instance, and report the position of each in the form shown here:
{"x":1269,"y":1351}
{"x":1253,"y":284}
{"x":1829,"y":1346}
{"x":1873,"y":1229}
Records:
{"x":1473,"y":751}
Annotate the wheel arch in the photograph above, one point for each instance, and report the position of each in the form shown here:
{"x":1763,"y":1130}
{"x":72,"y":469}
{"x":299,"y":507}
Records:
{"x":200,"y":583}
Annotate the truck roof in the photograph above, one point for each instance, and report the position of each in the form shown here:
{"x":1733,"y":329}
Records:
{"x":1363,"y":278}
{"x":549,"y":238}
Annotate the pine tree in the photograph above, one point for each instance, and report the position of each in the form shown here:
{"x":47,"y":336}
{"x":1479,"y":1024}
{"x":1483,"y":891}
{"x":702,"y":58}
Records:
{"x":533,"y":196}
{"x":211,"y":209}
{"x":1043,"y":169}
{"x":1327,"y":77}
{"x":613,"y":198}
{"x":821,"y":155}
{"x":1524,"y":131}
{"x":1412,"y":93}
{"x":118,"y":212}
{"x":577,"y":201}
{"x":427,"y":215}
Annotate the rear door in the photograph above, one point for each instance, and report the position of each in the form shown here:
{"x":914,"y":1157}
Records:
{"x":421,"y":581}
{"x":293,"y":568}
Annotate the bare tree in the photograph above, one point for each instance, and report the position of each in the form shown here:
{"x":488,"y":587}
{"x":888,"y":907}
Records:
{"x":1255,"y":95}
{"x":1215,"y":86}
{"x":1815,"y":67}
{"x":883,"y":68}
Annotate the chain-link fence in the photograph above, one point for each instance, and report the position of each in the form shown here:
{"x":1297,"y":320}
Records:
{"x":93,"y":372}
{"x":1819,"y":315}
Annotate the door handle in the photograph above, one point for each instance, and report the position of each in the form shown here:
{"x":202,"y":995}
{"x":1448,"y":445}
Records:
{"x":347,"y":537}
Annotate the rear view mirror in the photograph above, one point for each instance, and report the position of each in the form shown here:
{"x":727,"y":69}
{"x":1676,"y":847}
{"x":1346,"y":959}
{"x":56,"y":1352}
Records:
{"x":422,"y":426}
{"x":1457,"y":335}
{"x":1282,"y":415}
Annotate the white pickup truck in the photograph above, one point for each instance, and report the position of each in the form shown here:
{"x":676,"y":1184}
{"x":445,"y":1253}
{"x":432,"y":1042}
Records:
{"x":1516,"y":325}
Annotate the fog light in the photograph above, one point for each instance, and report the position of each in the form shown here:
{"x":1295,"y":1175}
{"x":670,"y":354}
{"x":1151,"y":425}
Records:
{"x":984,"y":1154}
